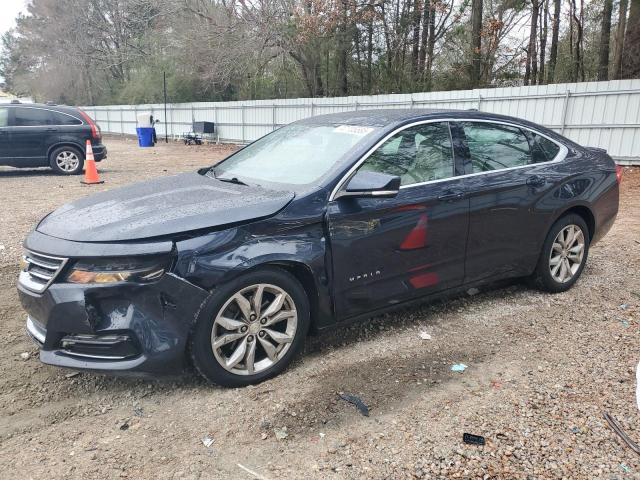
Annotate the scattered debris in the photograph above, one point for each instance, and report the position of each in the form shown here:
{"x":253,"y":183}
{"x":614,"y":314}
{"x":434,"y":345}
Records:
{"x":624,"y":323}
{"x":496,"y":384}
{"x":425,"y":336}
{"x":281,"y":433}
{"x":264,"y":436}
{"x":1,"y":247}
{"x":72,"y":374}
{"x":624,"y":306}
{"x":473,"y":291}
{"x":207,"y":441}
{"x":357,"y":401}
{"x":625,"y":468}
{"x":615,"y":426}
{"x":125,"y":425}
{"x":251,"y":472}
{"x":25,"y":355}
{"x":472,"y":439}
{"x":459,"y":367}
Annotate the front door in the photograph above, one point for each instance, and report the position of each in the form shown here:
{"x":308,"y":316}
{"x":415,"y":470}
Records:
{"x":386,"y":251}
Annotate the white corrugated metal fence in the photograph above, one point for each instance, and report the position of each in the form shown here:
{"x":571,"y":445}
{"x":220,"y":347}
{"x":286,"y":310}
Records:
{"x":597,"y":114}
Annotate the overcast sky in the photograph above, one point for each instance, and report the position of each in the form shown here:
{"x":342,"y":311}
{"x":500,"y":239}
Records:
{"x":10,"y":9}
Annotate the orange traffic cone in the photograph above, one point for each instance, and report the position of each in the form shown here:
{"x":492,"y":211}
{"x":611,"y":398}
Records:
{"x":90,"y":171}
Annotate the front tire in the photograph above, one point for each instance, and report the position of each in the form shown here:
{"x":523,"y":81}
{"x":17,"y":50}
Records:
{"x":564,"y":255}
{"x":251,"y":329}
{"x":66,"y":160}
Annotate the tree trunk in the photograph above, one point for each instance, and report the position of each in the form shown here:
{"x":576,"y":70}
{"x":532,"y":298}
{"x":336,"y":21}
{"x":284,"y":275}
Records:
{"x":426,"y":11}
{"x":369,"y":57}
{"x":544,"y":30}
{"x":531,"y":72}
{"x":476,"y":41}
{"x":415,"y":39}
{"x":622,"y":24}
{"x":555,"y":29}
{"x":605,"y":37}
{"x":631,"y":57}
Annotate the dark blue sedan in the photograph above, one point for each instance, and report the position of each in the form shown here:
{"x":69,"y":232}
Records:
{"x":322,"y":222}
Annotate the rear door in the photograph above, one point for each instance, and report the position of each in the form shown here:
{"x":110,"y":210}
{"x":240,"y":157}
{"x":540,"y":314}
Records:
{"x":507,"y":175}
{"x":4,"y":133}
{"x":32,"y":132}
{"x":388,"y":250}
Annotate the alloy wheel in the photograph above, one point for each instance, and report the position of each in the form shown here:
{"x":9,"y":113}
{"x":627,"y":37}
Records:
{"x":254,"y":329}
{"x":67,"y":161}
{"x":567,"y":253}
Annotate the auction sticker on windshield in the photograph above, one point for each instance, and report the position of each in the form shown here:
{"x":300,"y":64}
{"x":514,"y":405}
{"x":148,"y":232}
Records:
{"x":353,"y":130}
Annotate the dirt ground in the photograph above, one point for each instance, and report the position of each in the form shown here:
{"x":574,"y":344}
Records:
{"x":542,"y":369}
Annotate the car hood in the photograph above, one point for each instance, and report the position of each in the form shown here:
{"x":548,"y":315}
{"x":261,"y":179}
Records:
{"x":165,"y":206}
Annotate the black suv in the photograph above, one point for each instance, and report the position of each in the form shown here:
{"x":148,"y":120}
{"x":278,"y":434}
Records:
{"x":38,"y":135}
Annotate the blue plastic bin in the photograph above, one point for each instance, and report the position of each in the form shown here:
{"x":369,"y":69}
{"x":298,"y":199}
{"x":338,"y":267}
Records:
{"x":145,"y":136}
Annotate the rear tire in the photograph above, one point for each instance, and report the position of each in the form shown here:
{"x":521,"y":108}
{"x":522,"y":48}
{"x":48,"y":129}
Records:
{"x":238,"y":340}
{"x":564,"y":255}
{"x":66,"y":160}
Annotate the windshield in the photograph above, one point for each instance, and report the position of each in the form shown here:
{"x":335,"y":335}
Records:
{"x":297,"y":154}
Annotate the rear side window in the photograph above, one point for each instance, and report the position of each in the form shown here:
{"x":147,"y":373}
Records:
{"x":63,"y":119}
{"x":494,"y":146}
{"x":4,"y":117}
{"x":32,"y":117}
{"x":547,"y":149}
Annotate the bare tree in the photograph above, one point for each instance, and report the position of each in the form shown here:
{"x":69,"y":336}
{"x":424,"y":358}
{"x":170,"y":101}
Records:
{"x":476,"y":41}
{"x":620,"y":29}
{"x":555,"y":29}
{"x":605,"y":38}
{"x":631,"y":57}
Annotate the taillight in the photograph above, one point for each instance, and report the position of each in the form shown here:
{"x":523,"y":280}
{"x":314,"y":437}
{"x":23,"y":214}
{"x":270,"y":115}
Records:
{"x":95,"y":130}
{"x":618,"y":173}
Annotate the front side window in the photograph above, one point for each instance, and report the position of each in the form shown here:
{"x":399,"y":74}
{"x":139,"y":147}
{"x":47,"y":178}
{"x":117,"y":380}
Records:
{"x":494,"y":146}
{"x":298,"y":154}
{"x":4,"y":117}
{"x":421,"y":153}
{"x":31,"y":117}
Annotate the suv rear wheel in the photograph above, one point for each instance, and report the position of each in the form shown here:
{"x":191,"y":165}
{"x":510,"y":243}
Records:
{"x":66,"y":160}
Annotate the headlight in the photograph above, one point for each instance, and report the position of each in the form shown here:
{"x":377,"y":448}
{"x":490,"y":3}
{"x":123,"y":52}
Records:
{"x":115,"y":270}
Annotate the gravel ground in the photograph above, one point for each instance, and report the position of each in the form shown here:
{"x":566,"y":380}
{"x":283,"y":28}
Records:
{"x":542,"y":370}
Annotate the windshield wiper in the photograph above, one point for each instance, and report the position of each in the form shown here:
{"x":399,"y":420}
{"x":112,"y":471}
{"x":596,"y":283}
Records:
{"x":231,"y":180}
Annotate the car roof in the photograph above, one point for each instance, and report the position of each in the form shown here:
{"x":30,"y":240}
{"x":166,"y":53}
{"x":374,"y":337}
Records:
{"x":53,"y":107}
{"x":391,"y":118}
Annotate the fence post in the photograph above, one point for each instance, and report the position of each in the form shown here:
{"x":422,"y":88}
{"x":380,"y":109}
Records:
{"x":412,"y":101}
{"x":108,"y":121}
{"x":171,"y":117}
{"x":479,"y":101}
{"x":121,"y":123}
{"x":355,"y":105}
{"x":242,"y":120}
{"x":312,"y":108}
{"x":565,"y":106}
{"x":273,"y":116}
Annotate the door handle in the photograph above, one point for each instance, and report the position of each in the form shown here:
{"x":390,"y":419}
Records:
{"x":451,"y":195}
{"x":51,"y":129}
{"x":536,"y":181}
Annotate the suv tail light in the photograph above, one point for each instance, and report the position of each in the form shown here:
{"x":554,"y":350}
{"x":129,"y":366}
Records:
{"x":96,"y":134}
{"x":618,"y":173}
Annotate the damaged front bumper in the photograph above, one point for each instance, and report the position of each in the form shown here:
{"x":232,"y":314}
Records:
{"x":117,"y":328}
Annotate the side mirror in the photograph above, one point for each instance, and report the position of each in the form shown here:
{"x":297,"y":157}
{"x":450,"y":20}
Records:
{"x":371,"y":184}
{"x":156,"y":121}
